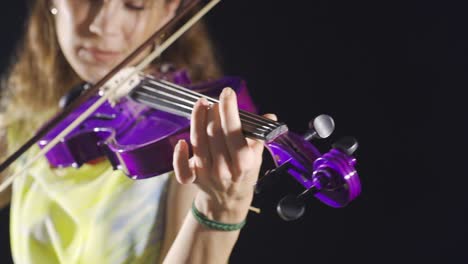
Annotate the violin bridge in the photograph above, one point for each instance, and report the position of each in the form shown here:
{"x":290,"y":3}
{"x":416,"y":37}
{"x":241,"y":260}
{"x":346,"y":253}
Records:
{"x":120,"y":85}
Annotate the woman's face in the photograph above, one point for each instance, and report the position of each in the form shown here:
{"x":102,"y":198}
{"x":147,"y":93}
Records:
{"x":95,"y":35}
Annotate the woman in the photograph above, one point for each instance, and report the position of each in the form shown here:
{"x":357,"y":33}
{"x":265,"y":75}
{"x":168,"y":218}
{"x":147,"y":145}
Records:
{"x":94,"y":214}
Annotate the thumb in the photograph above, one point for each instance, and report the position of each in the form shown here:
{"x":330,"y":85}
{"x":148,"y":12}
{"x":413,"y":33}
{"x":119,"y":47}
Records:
{"x":181,"y":163}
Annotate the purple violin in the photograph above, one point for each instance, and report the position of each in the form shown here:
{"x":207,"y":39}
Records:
{"x":138,"y":134}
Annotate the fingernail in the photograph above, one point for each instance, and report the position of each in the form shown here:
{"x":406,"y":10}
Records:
{"x":178,"y":145}
{"x":204,"y":102}
{"x":226,"y":92}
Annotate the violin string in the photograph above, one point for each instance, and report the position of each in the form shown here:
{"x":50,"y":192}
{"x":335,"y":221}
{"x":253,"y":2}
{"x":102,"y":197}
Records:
{"x":179,"y":108}
{"x":245,"y":116}
{"x":178,"y":101}
{"x":186,"y":110}
{"x":196,"y":96}
{"x":174,"y":98}
{"x":260,"y":120}
{"x":249,"y":130}
{"x":276,"y":127}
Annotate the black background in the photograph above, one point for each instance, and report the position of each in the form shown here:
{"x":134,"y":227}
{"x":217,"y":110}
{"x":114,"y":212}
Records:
{"x":392,"y":75}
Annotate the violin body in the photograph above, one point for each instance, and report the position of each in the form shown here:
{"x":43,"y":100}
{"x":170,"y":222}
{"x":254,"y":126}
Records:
{"x":135,"y":138}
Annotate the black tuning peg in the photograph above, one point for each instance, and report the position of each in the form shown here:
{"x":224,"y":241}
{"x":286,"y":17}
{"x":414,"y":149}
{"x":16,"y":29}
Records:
{"x":292,"y":207}
{"x":347,"y":145}
{"x":271,"y":176}
{"x":320,"y":127}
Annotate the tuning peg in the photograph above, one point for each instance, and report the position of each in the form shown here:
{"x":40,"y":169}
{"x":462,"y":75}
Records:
{"x":348,"y":145}
{"x":271,"y":176}
{"x":320,"y":127}
{"x":292,"y":207}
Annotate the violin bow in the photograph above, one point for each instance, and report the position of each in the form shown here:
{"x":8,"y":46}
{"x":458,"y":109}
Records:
{"x":179,"y":24}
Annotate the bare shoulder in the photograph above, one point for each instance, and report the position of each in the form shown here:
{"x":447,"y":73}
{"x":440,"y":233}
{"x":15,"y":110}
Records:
{"x":179,"y":201}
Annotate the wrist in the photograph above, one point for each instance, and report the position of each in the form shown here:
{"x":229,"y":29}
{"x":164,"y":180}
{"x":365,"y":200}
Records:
{"x":223,"y":210}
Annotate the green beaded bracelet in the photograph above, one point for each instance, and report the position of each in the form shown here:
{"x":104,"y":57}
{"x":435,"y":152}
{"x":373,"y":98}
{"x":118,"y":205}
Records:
{"x":202,"y":219}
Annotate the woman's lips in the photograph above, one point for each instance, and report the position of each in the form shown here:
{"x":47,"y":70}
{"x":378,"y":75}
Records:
{"x":100,"y":55}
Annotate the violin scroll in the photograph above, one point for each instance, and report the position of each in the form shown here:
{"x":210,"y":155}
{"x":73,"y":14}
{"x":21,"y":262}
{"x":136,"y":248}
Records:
{"x":329,"y":177}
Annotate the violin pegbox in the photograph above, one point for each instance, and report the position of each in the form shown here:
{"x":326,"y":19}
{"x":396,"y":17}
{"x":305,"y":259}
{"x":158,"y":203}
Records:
{"x":121,"y":84}
{"x":330,"y":177}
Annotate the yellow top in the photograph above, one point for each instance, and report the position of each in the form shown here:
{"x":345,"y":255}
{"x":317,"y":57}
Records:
{"x":88,"y":215}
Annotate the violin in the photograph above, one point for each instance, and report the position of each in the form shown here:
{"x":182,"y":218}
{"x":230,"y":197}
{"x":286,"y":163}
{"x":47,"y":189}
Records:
{"x":138,"y":133}
{"x":135,"y":119}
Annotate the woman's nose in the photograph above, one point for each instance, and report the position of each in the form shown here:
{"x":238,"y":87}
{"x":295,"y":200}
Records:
{"x":102,"y":23}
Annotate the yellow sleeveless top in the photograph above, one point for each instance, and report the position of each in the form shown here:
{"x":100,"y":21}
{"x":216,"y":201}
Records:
{"x":88,"y":215}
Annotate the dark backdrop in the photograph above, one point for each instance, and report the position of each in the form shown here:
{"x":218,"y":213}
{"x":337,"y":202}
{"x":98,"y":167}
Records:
{"x":390,"y":73}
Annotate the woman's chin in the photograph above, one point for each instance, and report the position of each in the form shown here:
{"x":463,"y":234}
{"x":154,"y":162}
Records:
{"x":93,"y":74}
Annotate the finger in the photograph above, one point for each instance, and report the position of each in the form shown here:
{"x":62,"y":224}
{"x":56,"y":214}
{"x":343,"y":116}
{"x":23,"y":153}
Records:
{"x":257,"y":145}
{"x":217,"y":145}
{"x":198,"y":135}
{"x":181,"y":164}
{"x":271,"y":116}
{"x":232,"y":128}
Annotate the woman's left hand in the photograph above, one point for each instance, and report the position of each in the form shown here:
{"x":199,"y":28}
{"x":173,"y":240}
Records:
{"x":225,"y":165}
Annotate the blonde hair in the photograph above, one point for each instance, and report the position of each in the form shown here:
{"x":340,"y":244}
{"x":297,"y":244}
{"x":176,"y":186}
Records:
{"x":40,"y":74}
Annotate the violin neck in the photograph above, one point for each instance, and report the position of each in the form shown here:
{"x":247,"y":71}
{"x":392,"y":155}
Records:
{"x":175,"y":99}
